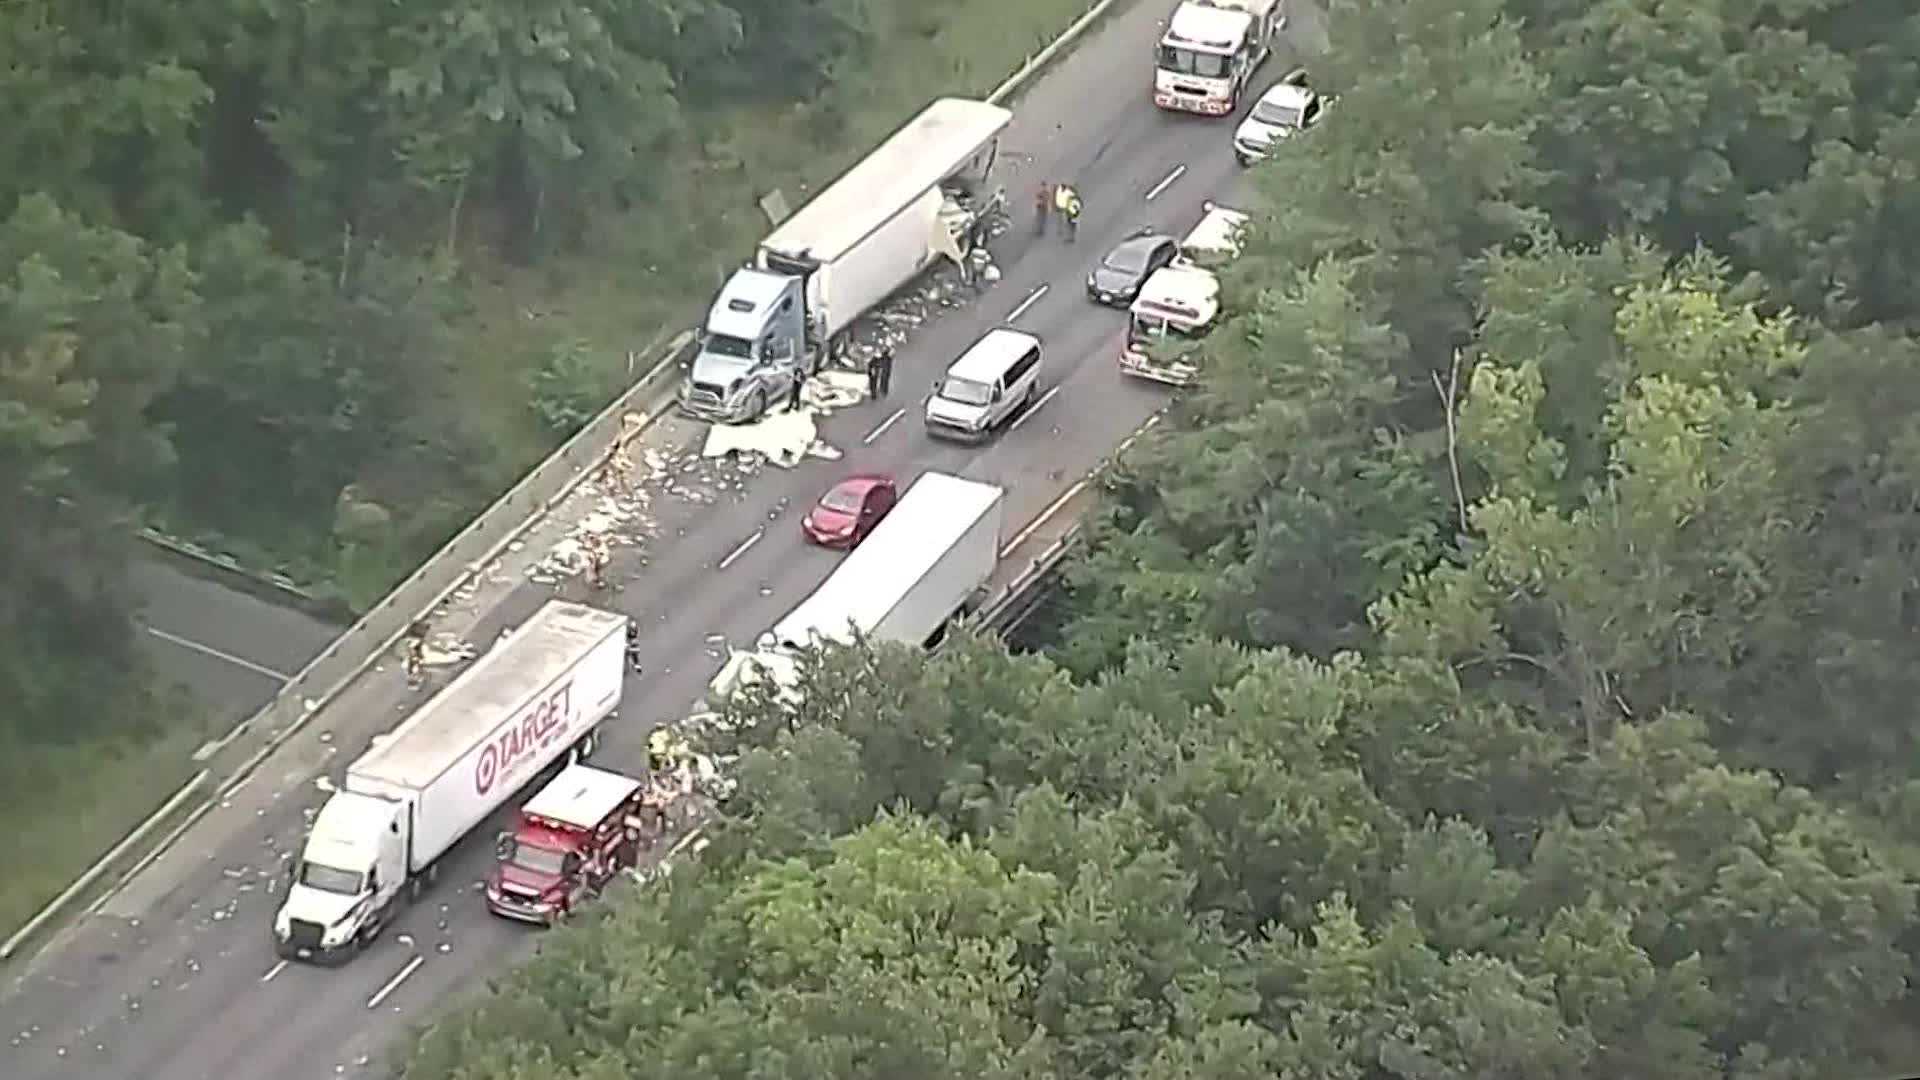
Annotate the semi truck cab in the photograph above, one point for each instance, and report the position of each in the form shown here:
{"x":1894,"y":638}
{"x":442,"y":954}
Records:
{"x":341,"y":889}
{"x":571,"y":839}
{"x":752,"y":347}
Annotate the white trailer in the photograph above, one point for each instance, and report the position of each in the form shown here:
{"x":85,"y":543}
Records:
{"x":919,"y":196}
{"x":924,"y":565}
{"x":536,"y":697}
{"x":888,"y":217}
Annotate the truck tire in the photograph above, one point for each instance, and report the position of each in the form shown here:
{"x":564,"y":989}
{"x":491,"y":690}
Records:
{"x":759,"y":408}
{"x":587,"y":745}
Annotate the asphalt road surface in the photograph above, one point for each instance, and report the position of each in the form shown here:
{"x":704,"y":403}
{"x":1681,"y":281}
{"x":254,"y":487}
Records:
{"x":175,"y":977}
{"x":231,"y":650}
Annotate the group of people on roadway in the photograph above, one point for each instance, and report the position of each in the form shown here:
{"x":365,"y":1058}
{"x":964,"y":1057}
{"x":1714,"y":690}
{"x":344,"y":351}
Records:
{"x":1054,"y":197}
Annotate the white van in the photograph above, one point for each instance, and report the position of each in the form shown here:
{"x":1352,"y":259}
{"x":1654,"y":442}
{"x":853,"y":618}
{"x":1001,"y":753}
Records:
{"x":986,"y":387}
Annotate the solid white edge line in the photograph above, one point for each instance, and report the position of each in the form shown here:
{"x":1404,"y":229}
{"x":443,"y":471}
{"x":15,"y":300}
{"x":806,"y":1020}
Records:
{"x":393,"y":984}
{"x":1032,"y":299}
{"x":1045,"y":516}
{"x":742,"y":549}
{"x":884,"y":425}
{"x":1034,"y":408}
{"x":237,"y":661}
{"x":275,"y":970}
{"x":1163,"y":185}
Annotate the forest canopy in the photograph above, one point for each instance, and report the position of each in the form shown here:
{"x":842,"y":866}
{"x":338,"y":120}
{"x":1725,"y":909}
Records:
{"x":1502,"y":666}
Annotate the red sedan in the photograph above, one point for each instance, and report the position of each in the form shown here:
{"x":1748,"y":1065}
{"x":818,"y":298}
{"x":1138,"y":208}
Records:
{"x":849,"y":510}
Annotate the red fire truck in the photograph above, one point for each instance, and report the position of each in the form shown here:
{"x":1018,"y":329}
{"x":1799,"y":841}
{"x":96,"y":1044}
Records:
{"x":573,"y":837}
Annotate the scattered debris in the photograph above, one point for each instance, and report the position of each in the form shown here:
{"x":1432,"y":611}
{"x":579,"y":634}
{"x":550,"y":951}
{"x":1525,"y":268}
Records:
{"x":784,"y":437}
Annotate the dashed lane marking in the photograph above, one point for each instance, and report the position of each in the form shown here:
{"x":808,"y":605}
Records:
{"x":1032,"y":299}
{"x":884,"y":425}
{"x":735,"y":554}
{"x":1163,"y":185}
{"x":1031,"y":409}
{"x":393,"y":984}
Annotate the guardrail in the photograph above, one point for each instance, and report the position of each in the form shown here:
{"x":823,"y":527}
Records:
{"x":1022,"y":594}
{"x":376,"y":632}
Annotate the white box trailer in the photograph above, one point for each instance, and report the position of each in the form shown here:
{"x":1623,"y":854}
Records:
{"x":921,"y":567}
{"x":887,"y":218}
{"x":534,"y":697}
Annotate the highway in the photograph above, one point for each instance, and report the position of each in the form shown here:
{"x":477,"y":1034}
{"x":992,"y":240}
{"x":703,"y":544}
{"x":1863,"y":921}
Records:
{"x":231,"y":650}
{"x":175,"y":977}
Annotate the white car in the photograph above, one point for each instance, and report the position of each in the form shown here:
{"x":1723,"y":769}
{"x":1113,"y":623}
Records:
{"x":1287,"y":108}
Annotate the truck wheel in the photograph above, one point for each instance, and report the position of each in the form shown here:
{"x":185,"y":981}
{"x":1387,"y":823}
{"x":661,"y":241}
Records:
{"x":587,"y":745}
{"x":759,"y":406}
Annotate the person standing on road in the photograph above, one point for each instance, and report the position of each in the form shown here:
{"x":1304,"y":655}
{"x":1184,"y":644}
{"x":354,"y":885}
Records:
{"x":1070,"y":211}
{"x":1042,"y":206}
{"x":880,"y":374}
{"x":793,"y":390}
{"x":633,"y":647}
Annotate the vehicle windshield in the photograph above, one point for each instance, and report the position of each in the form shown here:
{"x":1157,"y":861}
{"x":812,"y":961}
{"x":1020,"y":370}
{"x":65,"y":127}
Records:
{"x":538,"y":860}
{"x":844,"y":499}
{"x":1146,"y":328}
{"x":330,"y":879}
{"x":966,"y":391}
{"x":728,"y":345}
{"x":1130,"y":259}
{"x":1189,"y":62}
{"x":1279,"y":114}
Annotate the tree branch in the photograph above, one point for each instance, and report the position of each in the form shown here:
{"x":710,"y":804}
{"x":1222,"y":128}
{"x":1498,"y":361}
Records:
{"x":1449,"y":396}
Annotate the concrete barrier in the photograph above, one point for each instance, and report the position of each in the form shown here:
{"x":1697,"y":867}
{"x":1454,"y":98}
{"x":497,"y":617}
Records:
{"x":377,"y":631}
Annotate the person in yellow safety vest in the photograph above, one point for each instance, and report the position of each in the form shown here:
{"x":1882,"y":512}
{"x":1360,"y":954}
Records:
{"x":663,"y":750}
{"x":1068,"y":201}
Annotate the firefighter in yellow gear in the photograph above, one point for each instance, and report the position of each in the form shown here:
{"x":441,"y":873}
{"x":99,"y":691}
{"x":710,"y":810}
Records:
{"x":1067,"y":201}
{"x":664,"y":751}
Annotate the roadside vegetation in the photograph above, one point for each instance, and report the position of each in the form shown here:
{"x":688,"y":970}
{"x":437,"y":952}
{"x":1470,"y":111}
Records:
{"x":315,"y":284}
{"x":1503,"y":666}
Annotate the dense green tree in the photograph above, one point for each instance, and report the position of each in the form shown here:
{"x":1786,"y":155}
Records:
{"x":92,"y":325}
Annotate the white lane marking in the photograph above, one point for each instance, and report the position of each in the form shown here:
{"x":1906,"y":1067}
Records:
{"x":742,"y":549}
{"x":275,"y":970}
{"x":237,"y":661}
{"x":1034,"y":525}
{"x":393,"y":984}
{"x":884,"y":425}
{"x":1177,"y":173}
{"x":1034,"y":408}
{"x":1067,"y":495}
{"x":1131,"y":439}
{"x":1032,"y":299}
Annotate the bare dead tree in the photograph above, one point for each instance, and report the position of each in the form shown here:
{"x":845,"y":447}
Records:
{"x":1449,"y":392}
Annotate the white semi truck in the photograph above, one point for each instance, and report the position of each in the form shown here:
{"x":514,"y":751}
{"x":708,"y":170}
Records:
{"x":532,"y":700}
{"x":1178,"y":305}
{"x":1210,"y":51}
{"x":921,"y":196}
{"x":927,"y":563}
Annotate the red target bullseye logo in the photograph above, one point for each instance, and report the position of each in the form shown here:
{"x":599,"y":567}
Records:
{"x":488,"y":768}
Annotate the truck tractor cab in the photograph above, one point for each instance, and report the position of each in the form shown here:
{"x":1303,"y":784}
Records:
{"x":752,"y":347}
{"x":571,"y":839}
{"x":341,"y":888}
{"x":1177,"y":306}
